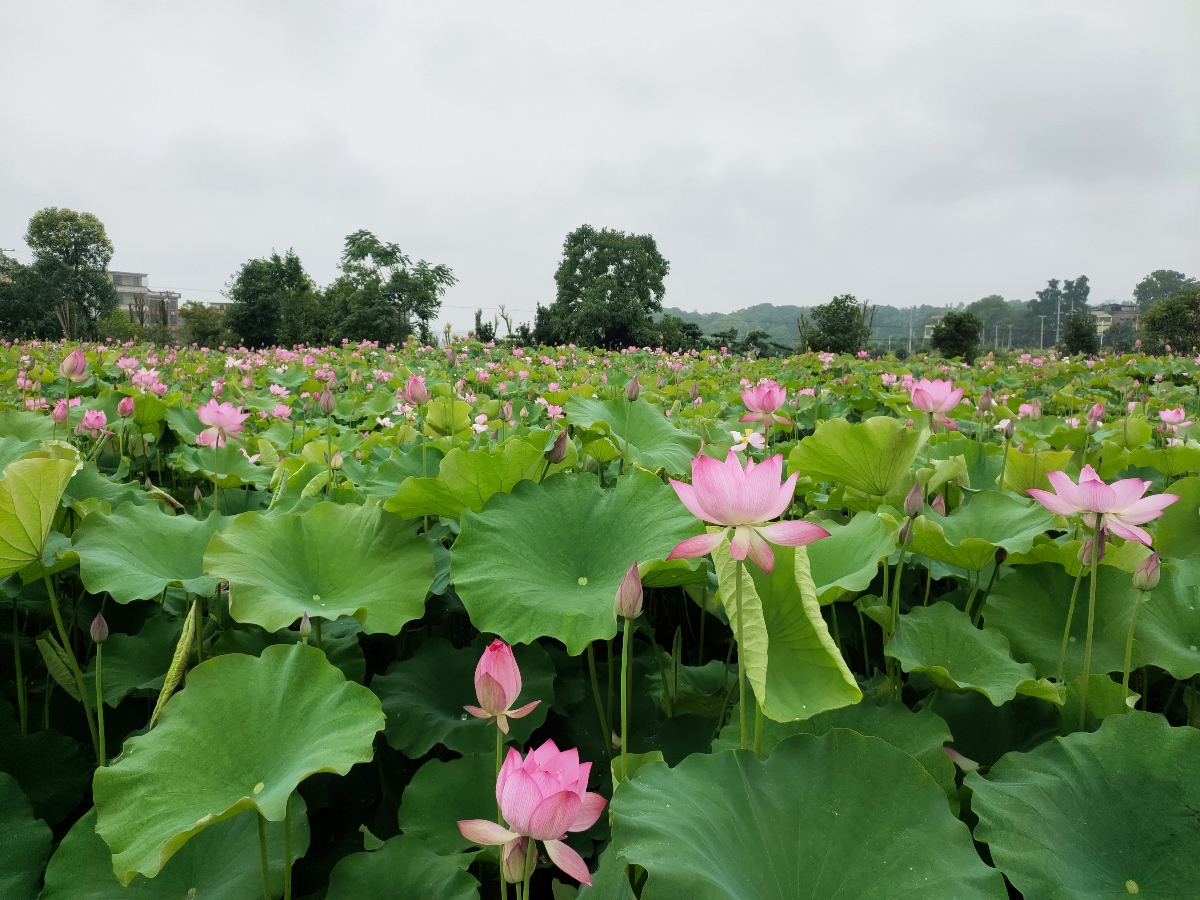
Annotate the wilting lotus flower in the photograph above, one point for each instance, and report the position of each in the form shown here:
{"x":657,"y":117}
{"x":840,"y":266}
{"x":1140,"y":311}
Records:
{"x":542,"y":797}
{"x":763,"y":401}
{"x":1121,"y":503}
{"x":497,"y":686}
{"x":938,"y":396}
{"x":223,"y":420}
{"x":74,"y":366}
{"x":744,"y":500}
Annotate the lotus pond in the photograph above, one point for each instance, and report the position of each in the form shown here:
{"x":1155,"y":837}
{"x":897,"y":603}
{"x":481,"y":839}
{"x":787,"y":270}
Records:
{"x":485,"y":621}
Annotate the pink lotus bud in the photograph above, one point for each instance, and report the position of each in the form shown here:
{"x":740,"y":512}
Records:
{"x":327,"y":402}
{"x":415,"y":390}
{"x":558,"y":452}
{"x":74,"y":366}
{"x":629,"y":594}
{"x":632,"y":389}
{"x":305,"y":627}
{"x":497,"y":686}
{"x":514,"y":858}
{"x":939,"y":504}
{"x":967,"y":765}
{"x":906,"y":531}
{"x":60,"y":412}
{"x":336,"y":462}
{"x":99,"y":629}
{"x":985,"y":402}
{"x":914,"y":503}
{"x":125,"y":408}
{"x":1085,"y":552}
{"x":1145,"y":576}
{"x":197,"y":495}
{"x":1096,"y":413}
{"x":660,"y":382}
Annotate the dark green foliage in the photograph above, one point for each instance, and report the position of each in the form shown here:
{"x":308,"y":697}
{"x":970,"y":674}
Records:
{"x":842,"y":325}
{"x":1158,"y":285}
{"x":203,"y":325}
{"x":1174,"y":322}
{"x":261,"y":292}
{"x":1121,"y":337}
{"x":957,"y":335}
{"x":672,"y":334}
{"x":484,"y":331}
{"x":24,"y":310}
{"x":1079,"y":334}
{"x":610,"y":284}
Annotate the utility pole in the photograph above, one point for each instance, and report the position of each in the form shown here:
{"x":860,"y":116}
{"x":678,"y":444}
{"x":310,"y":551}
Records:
{"x":1010,"y":337}
{"x":1057,"y":317}
{"x":910,"y":323}
{"x":1042,"y":334}
{"x":996,"y":338}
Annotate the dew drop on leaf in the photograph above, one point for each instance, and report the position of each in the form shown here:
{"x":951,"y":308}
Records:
{"x":1131,"y":886}
{"x":582,"y":580}
{"x":258,"y":788}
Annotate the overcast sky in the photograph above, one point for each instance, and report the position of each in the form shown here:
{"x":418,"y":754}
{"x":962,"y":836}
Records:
{"x":902,"y":152}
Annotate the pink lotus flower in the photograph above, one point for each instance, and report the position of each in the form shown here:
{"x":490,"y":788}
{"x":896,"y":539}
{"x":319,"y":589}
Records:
{"x":127,"y":362}
{"x":1121,"y":504}
{"x":542,"y":797}
{"x":281,"y":411}
{"x":93,"y":424}
{"x":1174,"y":418}
{"x":223,"y":419}
{"x":763,"y":402}
{"x":938,"y":396}
{"x":125,"y":408}
{"x":415,"y":391}
{"x":1033,"y":410}
{"x":60,"y":413}
{"x":744,"y":500}
{"x":497,"y":686}
{"x":74,"y":366}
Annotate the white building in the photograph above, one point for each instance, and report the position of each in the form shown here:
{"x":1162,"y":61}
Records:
{"x":142,"y":305}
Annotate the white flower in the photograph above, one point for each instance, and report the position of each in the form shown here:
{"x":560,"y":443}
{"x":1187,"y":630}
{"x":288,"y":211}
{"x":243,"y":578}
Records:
{"x":383,"y":422}
{"x":481,"y":424}
{"x":747,"y":440}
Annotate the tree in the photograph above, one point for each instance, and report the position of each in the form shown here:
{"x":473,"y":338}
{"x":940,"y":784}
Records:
{"x":1049,"y":300}
{"x":71,"y":252}
{"x":673,"y":334}
{"x":843,"y":325}
{"x":1120,"y":337}
{"x":273,"y":302}
{"x":610,"y":285}
{"x":484,"y":331}
{"x":203,"y":325}
{"x":24,"y":312}
{"x":1079,"y":334}
{"x":957,"y":335}
{"x":1174,"y":321}
{"x":1160,"y":284}
{"x":1075,"y":294}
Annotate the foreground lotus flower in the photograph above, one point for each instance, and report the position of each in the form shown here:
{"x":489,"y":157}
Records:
{"x":938,"y":396}
{"x":744,"y":500}
{"x":74,"y":366}
{"x":223,"y":419}
{"x":1121,"y":503}
{"x":542,"y":796}
{"x":497,"y":686}
{"x":763,"y":401}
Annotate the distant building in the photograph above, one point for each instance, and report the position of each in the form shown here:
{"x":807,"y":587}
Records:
{"x":142,"y":305}
{"x":933,"y":323}
{"x":1109,"y":314}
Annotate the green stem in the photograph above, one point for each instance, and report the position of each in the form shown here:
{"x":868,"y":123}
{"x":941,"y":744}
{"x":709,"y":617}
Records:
{"x":928,"y":582}
{"x":316,"y":626}
{"x":287,"y":849}
{"x":988,"y":593}
{"x":1129,"y":654}
{"x":72,"y":663}
{"x":703,"y":616}
{"x":608,"y":712}
{"x":862,"y":627}
{"x":1004,"y":464}
{"x":21,"y":699}
{"x":262,"y":854}
{"x":626,"y":647}
{"x":499,"y":763}
{"x":100,"y":707}
{"x":604,"y":729}
{"x":898,"y":686}
{"x":530,"y":853}
{"x":1062,"y":653}
{"x":737,"y":581}
{"x":1087,"y":647}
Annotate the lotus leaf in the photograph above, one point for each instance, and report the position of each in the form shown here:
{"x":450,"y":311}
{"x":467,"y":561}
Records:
{"x":29,"y":496}
{"x":24,"y":842}
{"x":639,"y":431}
{"x":403,"y":866}
{"x":442,"y":793}
{"x":467,"y":479}
{"x":848,"y":560}
{"x":969,"y":536}
{"x":873,"y":457}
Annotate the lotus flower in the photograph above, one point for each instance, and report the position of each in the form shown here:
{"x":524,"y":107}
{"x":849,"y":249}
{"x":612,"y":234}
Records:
{"x":1174,"y":418}
{"x":763,"y":402}
{"x":125,"y":408}
{"x":744,"y":500}
{"x":542,"y":796}
{"x":1121,"y":503}
{"x":497,"y":686}
{"x":415,"y":391}
{"x":223,"y":420}
{"x":74,"y":366}
{"x":938,"y":396}
{"x":93,"y":423}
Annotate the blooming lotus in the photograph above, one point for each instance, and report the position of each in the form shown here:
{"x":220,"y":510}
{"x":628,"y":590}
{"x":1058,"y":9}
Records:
{"x":93,"y":424}
{"x":497,"y":686}
{"x":745,"y":500}
{"x":745,"y":441}
{"x":938,"y":396}
{"x":542,"y":796}
{"x":763,"y":402}
{"x":223,"y":419}
{"x":1174,"y":418}
{"x":1121,"y":504}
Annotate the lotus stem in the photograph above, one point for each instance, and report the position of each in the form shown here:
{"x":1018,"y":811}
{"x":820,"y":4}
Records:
{"x":862,"y":627}
{"x":626,"y":647}
{"x":928,"y":582}
{"x":1087,"y":647}
{"x":609,"y":703}
{"x":606,"y":733}
{"x":316,"y":624}
{"x":287,"y":848}
{"x":737,"y":581}
{"x":1129,"y":654}
{"x":1004,"y":465}
{"x":22,"y":702}
{"x":499,"y":763}
{"x":71,"y":661}
{"x":100,"y":707}
{"x":988,"y":592}
{"x":530,"y":855}
{"x":262,"y":853}
{"x":1062,"y":653}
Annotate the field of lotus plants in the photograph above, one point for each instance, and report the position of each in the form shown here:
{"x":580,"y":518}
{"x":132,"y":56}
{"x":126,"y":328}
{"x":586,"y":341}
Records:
{"x":482,"y":621}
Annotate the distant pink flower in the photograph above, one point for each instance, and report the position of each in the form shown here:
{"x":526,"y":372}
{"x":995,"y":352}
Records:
{"x":939,"y":396}
{"x":763,"y":402}
{"x":745,"y":500}
{"x":542,"y":797}
{"x":1033,"y":410}
{"x":93,"y":423}
{"x":1174,"y":418}
{"x":223,"y":419}
{"x":127,"y":362}
{"x":1121,"y":503}
{"x":281,"y":411}
{"x":497,"y":686}
{"x":887,"y":378}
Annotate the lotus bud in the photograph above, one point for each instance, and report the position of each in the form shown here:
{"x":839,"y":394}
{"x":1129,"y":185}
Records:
{"x":506,"y":411}
{"x":147,"y":484}
{"x":332,"y":381}
{"x":1008,"y":429}
{"x":914,"y":502}
{"x":1096,"y":413}
{"x":60,"y":413}
{"x":196,"y":493}
{"x":99,"y":629}
{"x":906,"y":531}
{"x":558,"y":452}
{"x":629,"y":594}
{"x":659,"y":382}
{"x":632,"y":389}
{"x":524,"y":413}
{"x":985,"y":402}
{"x":939,"y":504}
{"x":514,"y":859}
{"x":1145,"y":576}
{"x":1093,"y":425}
{"x":415,"y":390}
{"x":327,"y":403}
{"x":967,"y":765}
{"x":1001,"y":556}
{"x":125,"y":408}
{"x":74,"y":366}
{"x":694,"y":392}
{"x":336,"y":462}
{"x":305,"y":627}
{"x":1085,"y":552}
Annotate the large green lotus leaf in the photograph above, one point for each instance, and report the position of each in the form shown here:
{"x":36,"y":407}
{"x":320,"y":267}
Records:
{"x":791,"y":660}
{"x":922,"y":735}
{"x":135,"y":552}
{"x":1126,"y":557}
{"x":242,"y":735}
{"x":1170,"y":461}
{"x":136,"y":663}
{"x":941,"y":642}
{"x":639,"y":430}
{"x":848,"y":560}
{"x":330,"y":561}
{"x":1178,"y":531}
{"x":13,"y":448}
{"x":29,"y":426}
{"x":339,"y":643}
{"x":423,"y":698}
{"x":446,"y":417}
{"x":1093,"y":815}
{"x":610,"y":881}
{"x":228,"y":465}
{"x":547,"y":559}
{"x":24,"y":843}
{"x":442,"y":793}
{"x":50,"y":767}
{"x":467,"y":479}
{"x":981,"y":462}
{"x":382,"y":482}
{"x":29,"y":496}
{"x":222,"y":862}
{"x":835,"y":815}
{"x":873,"y":457}
{"x":89,"y":485}
{"x":969,"y":536}
{"x":404,"y":867}
{"x":1023,"y":471}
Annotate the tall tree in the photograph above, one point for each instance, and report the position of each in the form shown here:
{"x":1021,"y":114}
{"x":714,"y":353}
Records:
{"x":843,"y":325}
{"x":957,"y":335}
{"x":610,"y":285}
{"x":1075,"y":294}
{"x":1174,"y":321}
{"x":1159,"y":284}
{"x":24,"y":312}
{"x":1079,"y":334}
{"x":263,"y":291}
{"x":71,"y":252}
